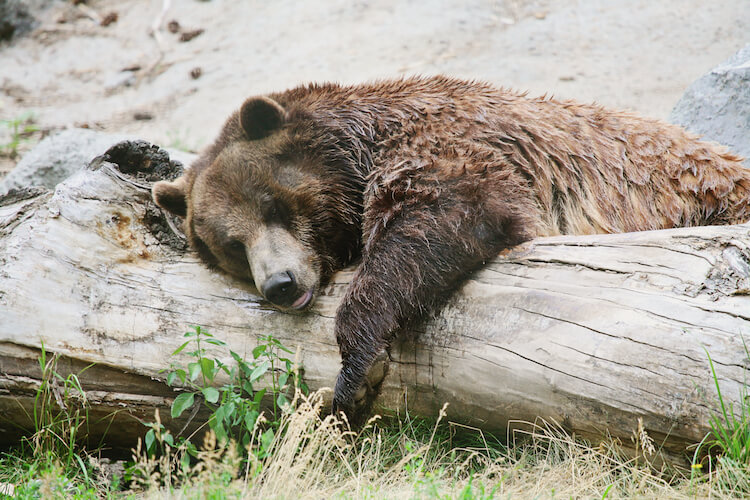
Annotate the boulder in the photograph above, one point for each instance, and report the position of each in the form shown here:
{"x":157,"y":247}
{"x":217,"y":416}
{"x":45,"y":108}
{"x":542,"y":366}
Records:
{"x":717,"y":105}
{"x":15,"y":19}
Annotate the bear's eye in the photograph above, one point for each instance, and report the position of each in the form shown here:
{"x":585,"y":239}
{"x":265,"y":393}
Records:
{"x":204,"y":251}
{"x":235,"y":247}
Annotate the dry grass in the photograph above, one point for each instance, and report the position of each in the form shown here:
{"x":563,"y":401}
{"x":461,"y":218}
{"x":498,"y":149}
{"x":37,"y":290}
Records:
{"x":317,"y":457}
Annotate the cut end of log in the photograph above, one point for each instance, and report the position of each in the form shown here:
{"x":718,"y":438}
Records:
{"x":142,"y":160}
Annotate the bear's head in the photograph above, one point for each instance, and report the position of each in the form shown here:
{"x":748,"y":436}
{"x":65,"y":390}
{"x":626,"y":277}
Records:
{"x":272,"y":201}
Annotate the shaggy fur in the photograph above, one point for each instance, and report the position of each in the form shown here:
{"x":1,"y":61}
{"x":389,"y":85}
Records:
{"x":427,"y":178}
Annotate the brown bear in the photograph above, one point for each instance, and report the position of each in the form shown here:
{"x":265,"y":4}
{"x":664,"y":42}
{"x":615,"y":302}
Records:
{"x":420,"y":181}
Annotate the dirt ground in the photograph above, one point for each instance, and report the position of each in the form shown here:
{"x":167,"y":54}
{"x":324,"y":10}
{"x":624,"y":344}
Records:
{"x":101,"y":64}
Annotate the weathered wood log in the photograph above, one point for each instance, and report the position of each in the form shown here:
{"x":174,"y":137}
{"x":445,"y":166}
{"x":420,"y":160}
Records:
{"x":594,"y":332}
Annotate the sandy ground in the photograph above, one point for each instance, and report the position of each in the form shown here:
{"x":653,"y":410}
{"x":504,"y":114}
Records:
{"x":72,"y":71}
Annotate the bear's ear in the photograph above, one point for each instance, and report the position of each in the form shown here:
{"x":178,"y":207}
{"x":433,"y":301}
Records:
{"x":259,"y":116}
{"x":171,"y":196}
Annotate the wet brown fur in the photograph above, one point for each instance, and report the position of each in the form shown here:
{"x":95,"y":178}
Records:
{"x":427,"y":178}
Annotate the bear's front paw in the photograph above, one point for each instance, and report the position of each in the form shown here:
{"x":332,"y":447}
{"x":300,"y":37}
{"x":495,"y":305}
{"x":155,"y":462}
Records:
{"x":355,"y":398}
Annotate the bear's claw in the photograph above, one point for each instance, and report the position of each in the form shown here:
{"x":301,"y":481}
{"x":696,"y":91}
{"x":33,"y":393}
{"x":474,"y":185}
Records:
{"x":365,"y":396}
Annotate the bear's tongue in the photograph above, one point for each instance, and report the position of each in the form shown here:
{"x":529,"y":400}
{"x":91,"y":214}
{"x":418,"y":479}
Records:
{"x":303,"y":300}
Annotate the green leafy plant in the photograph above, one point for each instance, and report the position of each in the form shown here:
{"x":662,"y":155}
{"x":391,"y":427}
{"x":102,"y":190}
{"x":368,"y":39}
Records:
{"x":237,"y":393}
{"x":20,"y":129}
{"x":236,"y":404}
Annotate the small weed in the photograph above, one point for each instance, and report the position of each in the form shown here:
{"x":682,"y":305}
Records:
{"x":20,"y":129}
{"x":236,"y":406}
{"x":731,"y":427}
{"x":729,"y":440}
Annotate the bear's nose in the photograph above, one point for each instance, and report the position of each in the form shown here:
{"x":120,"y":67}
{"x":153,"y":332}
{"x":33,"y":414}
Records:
{"x":280,"y":288}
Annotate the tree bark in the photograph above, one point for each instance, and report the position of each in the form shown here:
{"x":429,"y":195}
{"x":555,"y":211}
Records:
{"x":594,"y":332}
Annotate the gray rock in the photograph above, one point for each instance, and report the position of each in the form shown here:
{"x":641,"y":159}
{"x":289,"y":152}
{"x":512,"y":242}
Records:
{"x":717,"y":105}
{"x":15,"y":19}
{"x":57,"y":157}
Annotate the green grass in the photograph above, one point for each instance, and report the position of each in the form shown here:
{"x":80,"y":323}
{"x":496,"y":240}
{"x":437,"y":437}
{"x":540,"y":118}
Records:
{"x":18,"y":130}
{"x":268,"y":438}
{"x":731,"y":426}
{"x":726,"y":450}
{"x":50,"y":463}
{"x":179,"y":139}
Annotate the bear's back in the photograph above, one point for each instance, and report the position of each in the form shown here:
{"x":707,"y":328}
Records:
{"x":590,"y":169}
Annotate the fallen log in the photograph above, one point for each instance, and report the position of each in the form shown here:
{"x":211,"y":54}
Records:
{"x":594,"y":332}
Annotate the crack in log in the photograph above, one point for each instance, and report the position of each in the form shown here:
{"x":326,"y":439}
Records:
{"x":610,"y":270}
{"x":652,"y":313}
{"x":629,"y":245}
{"x":626,"y":246}
{"x":656,"y":396}
{"x":728,"y":313}
{"x":321,"y":315}
{"x":592,"y":355}
{"x":683,"y":252}
{"x":622,"y":337}
{"x":584,"y":265}
{"x":539,"y":363}
{"x":661,"y":248}
{"x":237,"y":299}
{"x":625,"y":337}
{"x":495,"y":363}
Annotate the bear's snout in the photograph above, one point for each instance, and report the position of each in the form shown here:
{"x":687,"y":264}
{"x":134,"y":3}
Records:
{"x":283,"y":268}
{"x":280,"y":288}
